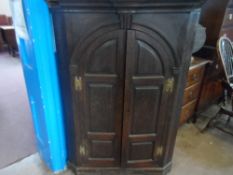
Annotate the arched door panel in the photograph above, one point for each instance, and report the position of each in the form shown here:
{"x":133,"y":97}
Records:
{"x":148,"y":66}
{"x":98,"y":99}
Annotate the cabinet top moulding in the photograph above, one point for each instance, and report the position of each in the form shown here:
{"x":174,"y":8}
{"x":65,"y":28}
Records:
{"x":137,"y":4}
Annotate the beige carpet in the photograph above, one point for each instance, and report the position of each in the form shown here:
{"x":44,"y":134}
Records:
{"x":16,"y":129}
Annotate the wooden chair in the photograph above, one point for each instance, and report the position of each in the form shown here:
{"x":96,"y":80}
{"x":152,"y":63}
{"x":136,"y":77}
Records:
{"x":225,"y":51}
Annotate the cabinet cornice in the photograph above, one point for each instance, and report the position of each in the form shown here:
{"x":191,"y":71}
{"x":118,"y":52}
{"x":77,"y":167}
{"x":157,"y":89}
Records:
{"x":133,"y":4}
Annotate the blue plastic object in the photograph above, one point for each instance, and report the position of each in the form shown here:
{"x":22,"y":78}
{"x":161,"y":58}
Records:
{"x":40,"y":71}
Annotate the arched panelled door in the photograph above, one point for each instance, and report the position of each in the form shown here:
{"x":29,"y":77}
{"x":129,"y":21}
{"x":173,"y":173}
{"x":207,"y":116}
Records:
{"x":148,"y":67}
{"x":118,"y":95}
{"x":98,"y":77}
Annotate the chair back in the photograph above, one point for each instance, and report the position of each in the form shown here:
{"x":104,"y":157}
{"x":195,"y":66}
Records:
{"x":225,"y":51}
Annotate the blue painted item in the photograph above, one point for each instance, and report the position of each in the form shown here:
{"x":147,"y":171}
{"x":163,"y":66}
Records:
{"x":37,"y":50}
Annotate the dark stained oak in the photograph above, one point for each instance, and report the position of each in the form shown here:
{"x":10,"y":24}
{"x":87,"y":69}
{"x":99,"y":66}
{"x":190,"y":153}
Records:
{"x":144,"y":96}
{"x":98,"y":106}
{"x":122,"y":66}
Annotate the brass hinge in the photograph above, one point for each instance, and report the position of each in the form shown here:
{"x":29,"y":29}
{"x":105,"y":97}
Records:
{"x":169,"y":85}
{"x":159,"y":151}
{"x":78,"y":83}
{"x":82,"y":150}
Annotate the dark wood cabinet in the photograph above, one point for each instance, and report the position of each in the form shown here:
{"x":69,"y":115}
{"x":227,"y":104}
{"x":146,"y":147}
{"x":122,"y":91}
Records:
{"x":122,"y":68}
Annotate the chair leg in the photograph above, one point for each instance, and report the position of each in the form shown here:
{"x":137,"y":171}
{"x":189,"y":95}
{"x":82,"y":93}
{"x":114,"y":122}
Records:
{"x":210,"y":122}
{"x":228,"y":120}
{"x":229,"y":117}
{"x":220,"y":113}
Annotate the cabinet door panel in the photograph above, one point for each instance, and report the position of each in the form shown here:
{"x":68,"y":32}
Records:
{"x":98,"y":104}
{"x":147,"y":68}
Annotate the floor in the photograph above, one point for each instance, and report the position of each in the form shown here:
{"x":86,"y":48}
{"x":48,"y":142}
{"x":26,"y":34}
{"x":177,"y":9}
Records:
{"x":16,"y":129}
{"x":32,"y":165}
{"x":210,"y":153}
{"x":203,"y":154}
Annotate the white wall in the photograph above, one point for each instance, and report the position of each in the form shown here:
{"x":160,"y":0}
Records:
{"x":5,"y":7}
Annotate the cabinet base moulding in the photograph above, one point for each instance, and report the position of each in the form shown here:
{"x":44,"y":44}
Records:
{"x":121,"y":171}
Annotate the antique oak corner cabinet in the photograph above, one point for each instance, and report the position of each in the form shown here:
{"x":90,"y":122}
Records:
{"x":122,"y":66}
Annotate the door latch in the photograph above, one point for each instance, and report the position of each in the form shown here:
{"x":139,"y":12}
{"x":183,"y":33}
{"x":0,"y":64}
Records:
{"x":78,"y":83}
{"x":159,"y":151}
{"x":82,"y":150}
{"x":169,"y":85}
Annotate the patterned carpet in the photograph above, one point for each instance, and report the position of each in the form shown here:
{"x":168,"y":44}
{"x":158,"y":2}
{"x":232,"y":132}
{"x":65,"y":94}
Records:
{"x":16,"y":129}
